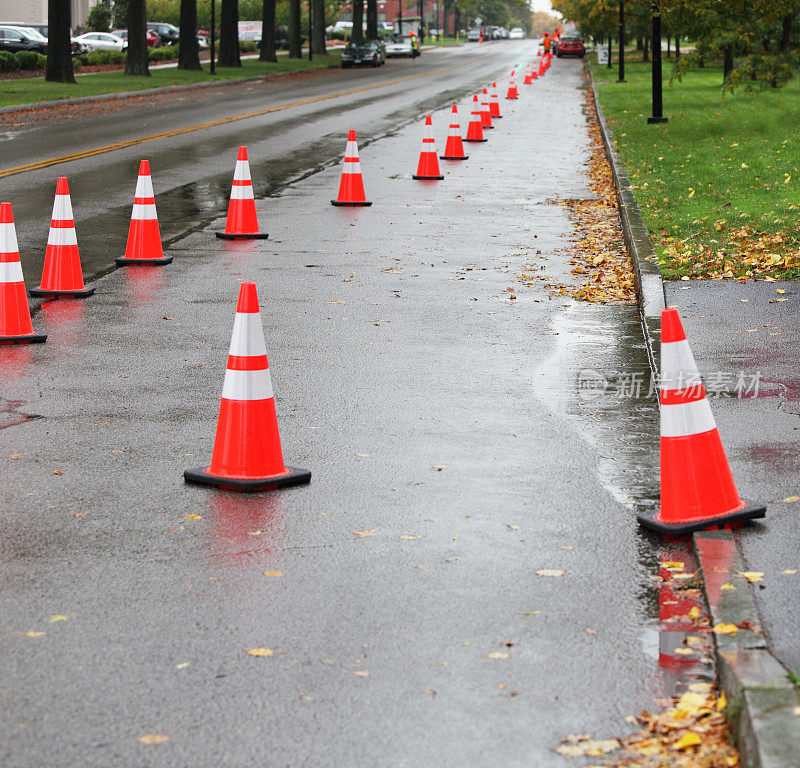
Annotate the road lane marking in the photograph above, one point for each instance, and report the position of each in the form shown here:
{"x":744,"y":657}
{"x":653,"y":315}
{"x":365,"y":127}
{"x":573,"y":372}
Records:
{"x":223,"y":121}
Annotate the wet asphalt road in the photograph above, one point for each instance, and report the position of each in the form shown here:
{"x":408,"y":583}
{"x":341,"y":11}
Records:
{"x":432,"y":408}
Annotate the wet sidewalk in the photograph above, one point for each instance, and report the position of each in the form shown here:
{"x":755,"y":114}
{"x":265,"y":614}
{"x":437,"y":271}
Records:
{"x":746,"y":340}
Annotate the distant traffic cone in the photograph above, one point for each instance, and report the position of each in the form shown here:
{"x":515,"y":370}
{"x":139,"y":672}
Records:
{"x":454,"y":149}
{"x":486,"y":110}
{"x":512,"y":92}
{"x":697,"y":488}
{"x":15,"y":314}
{"x":542,"y":67}
{"x":242,"y":222}
{"x":494,"y":102}
{"x":475,"y":129}
{"x":528,"y":75}
{"x":62,"y":274}
{"x":247,"y":448}
{"x":144,"y":238}
{"x":351,"y":186}
{"x":428,"y":166}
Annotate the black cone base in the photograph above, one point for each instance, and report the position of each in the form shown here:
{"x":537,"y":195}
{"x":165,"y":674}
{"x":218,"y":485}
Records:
{"x":294,"y":476}
{"x":121,"y":261}
{"x":248,"y":236}
{"x":750,"y":512}
{"x":462,"y":157}
{"x":81,"y":294}
{"x":340,"y":203}
{"x":31,"y":338}
{"x":476,"y":140}
{"x":427,"y":178}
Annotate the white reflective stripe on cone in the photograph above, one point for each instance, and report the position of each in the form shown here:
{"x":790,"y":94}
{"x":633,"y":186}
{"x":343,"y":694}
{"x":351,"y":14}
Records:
{"x":351,"y":150}
{"x":144,"y":187}
{"x":62,"y":236}
{"x":242,"y":172}
{"x":62,"y":208}
{"x":678,"y":368}
{"x":247,"y":339}
{"x":8,"y":238}
{"x":687,"y":419}
{"x":352,"y":167}
{"x":247,"y":385}
{"x":242,"y":193}
{"x":144,"y":211}
{"x":10,"y":272}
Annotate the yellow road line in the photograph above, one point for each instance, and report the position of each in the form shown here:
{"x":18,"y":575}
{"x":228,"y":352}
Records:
{"x":213,"y":123}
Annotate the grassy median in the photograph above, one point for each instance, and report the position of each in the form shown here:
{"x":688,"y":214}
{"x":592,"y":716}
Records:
{"x":719,"y":184}
{"x":31,"y":90}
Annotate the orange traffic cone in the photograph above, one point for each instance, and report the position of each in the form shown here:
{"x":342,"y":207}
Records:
{"x":454,"y":149}
{"x":512,"y":92}
{"x":428,"y":166}
{"x":15,"y":315}
{"x":351,"y":187}
{"x":528,"y":75}
{"x":247,"y":448}
{"x":542,"y":66}
{"x":144,"y":237}
{"x":62,"y":274}
{"x":697,"y":488}
{"x":242,"y":222}
{"x":475,"y":129}
{"x":486,"y":110}
{"x":494,"y":102}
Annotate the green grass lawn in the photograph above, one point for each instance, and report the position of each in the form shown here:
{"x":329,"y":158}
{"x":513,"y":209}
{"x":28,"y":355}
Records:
{"x":31,"y":90}
{"x":719,"y":184}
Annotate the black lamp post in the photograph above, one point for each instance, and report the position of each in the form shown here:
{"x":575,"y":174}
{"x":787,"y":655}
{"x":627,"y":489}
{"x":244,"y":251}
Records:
{"x":658,"y":106}
{"x":608,"y":64}
{"x":621,"y":41}
{"x":310,"y":30}
{"x":212,"y":69}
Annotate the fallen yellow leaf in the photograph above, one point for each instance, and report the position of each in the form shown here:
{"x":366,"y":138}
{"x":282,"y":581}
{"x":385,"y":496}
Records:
{"x":361,"y":672}
{"x":752,"y":576}
{"x":33,"y":634}
{"x":193,"y":517}
{"x":273,"y":573}
{"x":727,"y":585}
{"x":259,"y":651}
{"x":57,"y":617}
{"x":364,"y":534}
{"x":792,"y":498}
{"x":498,"y":655}
{"x":725,"y":629}
{"x":687,"y":740}
{"x":673,"y":566}
{"x":789,"y":572}
{"x":550,"y":572}
{"x":722,"y":702}
{"x":410,"y":536}
{"x":154,"y":738}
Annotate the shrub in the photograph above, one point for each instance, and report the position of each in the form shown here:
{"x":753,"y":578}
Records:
{"x":8,"y":62}
{"x":104,"y":57}
{"x":165,"y":53}
{"x":99,"y":18}
{"x":248,"y":46}
{"x":30,"y":60}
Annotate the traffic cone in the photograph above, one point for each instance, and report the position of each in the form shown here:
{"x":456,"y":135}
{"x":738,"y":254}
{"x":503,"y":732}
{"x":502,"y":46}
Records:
{"x":428,"y":166}
{"x":15,"y":315}
{"x":144,"y":238}
{"x":247,"y":448}
{"x":475,"y":129}
{"x":697,"y":488}
{"x":494,"y":102}
{"x":528,"y":75}
{"x":486,"y":110}
{"x":351,"y":187}
{"x":62,"y":274}
{"x":454,"y":149}
{"x":542,"y":67}
{"x":512,"y":92}
{"x":242,"y":223}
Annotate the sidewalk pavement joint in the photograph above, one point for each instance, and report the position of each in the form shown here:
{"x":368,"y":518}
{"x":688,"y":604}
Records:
{"x":763,"y":702}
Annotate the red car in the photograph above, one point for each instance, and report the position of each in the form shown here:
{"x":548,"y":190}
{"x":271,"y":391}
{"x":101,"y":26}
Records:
{"x":571,"y":45}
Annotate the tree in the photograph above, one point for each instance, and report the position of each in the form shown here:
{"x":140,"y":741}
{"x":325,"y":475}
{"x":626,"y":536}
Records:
{"x":137,"y":62}
{"x":188,"y":50}
{"x":229,"y":34}
{"x":268,"y":32}
{"x":358,"y":21}
{"x":119,"y":14}
{"x":295,"y":30}
{"x":59,"y":53}
{"x":319,"y":27}
{"x":372,"y":19}
{"x":99,"y":18}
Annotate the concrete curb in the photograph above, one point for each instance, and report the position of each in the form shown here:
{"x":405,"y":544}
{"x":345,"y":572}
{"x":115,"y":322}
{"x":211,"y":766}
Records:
{"x":761,"y":697}
{"x":646,"y":272}
{"x":147,"y":92}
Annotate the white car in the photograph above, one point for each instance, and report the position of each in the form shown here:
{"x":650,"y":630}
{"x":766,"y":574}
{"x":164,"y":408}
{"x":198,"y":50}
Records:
{"x":400,"y":46}
{"x":516,"y":33}
{"x":102,"y":41}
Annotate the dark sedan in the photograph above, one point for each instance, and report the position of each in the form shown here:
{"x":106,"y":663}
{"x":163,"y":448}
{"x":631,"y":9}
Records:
{"x":13,"y":39}
{"x":370,"y":53}
{"x":571,"y":45}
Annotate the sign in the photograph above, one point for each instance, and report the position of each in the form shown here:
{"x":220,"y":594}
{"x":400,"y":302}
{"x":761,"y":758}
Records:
{"x":602,"y":54}
{"x":250,"y":30}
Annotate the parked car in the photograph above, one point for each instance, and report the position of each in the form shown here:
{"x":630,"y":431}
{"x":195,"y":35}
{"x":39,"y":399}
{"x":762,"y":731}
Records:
{"x":77,"y":48}
{"x":475,"y":34}
{"x":402,"y":45}
{"x":370,"y":52}
{"x":516,"y":33}
{"x":168,"y":33}
{"x":102,"y":41}
{"x":571,"y":45}
{"x":153,"y":40}
{"x":15,"y":39}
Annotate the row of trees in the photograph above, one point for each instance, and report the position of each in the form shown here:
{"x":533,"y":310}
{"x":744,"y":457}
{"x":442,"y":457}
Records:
{"x":757,"y":40}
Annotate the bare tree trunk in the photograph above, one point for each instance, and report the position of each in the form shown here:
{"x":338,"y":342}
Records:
{"x":59,"y":56}
{"x":372,"y":19}
{"x":727,"y":61}
{"x":295,"y":31}
{"x":229,"y":35}
{"x":188,"y":51}
{"x":677,"y":47}
{"x":268,"y":32}
{"x":786,"y":33}
{"x":358,"y":21}
{"x":319,"y":27}
{"x":137,"y":61}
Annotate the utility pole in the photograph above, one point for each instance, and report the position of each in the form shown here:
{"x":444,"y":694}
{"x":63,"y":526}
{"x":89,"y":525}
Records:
{"x":212,"y":70}
{"x":608,"y":65}
{"x":658,"y":106}
{"x":310,"y":29}
{"x":621,"y":41}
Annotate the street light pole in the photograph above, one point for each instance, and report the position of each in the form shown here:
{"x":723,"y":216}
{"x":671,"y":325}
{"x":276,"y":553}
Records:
{"x":621,"y":56}
{"x":658,"y":107}
{"x":212,"y":70}
{"x":608,"y":64}
{"x":310,"y":29}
